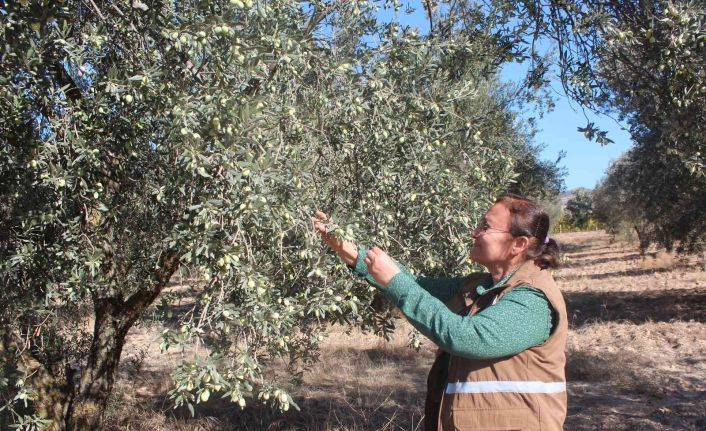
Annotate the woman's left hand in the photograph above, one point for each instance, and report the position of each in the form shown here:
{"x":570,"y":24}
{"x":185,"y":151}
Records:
{"x":381,"y":266}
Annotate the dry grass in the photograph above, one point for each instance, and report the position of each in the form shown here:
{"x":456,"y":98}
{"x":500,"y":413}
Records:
{"x":360,"y":383}
{"x":637,"y":346}
{"x":636,"y":359}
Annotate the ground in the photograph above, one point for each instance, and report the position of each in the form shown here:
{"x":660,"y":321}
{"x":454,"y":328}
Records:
{"x":636,"y":358}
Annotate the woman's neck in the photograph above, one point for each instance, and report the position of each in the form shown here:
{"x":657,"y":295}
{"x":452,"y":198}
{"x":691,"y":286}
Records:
{"x":500,"y":271}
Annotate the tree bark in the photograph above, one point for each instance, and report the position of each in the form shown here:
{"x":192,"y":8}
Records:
{"x":641,"y":237}
{"x":90,"y":396}
{"x":49,"y":384}
{"x":114,"y":318}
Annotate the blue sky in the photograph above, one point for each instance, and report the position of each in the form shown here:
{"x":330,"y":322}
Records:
{"x":585,"y":161}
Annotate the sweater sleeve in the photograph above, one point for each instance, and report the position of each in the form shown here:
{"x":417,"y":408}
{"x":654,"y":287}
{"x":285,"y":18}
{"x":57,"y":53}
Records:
{"x":441,"y":288}
{"x":519,"y":320}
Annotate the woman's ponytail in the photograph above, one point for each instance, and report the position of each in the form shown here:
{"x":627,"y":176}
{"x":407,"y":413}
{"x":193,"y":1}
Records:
{"x":548,"y":254}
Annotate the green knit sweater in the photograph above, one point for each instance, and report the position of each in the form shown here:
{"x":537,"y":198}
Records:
{"x":521,"y":319}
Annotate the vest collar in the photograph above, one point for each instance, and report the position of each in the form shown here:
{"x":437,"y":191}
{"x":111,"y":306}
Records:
{"x":517,"y":273}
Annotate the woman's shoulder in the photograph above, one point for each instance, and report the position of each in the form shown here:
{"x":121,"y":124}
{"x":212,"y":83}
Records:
{"x":530,"y":274}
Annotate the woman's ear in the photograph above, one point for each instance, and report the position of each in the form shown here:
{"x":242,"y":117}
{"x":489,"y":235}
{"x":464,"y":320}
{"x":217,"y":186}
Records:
{"x":520,"y":244}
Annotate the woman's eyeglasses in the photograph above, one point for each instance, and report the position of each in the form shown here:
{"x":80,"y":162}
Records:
{"x":485,"y":227}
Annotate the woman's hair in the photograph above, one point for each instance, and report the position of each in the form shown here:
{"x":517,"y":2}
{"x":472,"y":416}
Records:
{"x":529,"y":219}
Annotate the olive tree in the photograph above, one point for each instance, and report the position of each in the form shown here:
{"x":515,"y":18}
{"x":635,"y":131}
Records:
{"x":654,"y":65}
{"x":642,"y":62}
{"x":579,"y":209}
{"x":615,"y":204}
{"x":632,"y":196}
{"x":144,"y":138}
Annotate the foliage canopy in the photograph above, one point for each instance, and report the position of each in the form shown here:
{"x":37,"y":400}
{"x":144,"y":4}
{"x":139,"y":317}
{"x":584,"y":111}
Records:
{"x":642,"y":62}
{"x":142,"y":139}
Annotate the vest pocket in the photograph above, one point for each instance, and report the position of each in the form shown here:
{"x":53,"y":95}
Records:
{"x":492,"y":419}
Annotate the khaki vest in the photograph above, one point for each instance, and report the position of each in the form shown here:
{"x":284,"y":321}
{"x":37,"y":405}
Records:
{"x":526,"y":391}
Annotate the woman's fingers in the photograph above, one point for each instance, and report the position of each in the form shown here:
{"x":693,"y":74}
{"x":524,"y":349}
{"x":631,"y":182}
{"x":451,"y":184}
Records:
{"x":370,"y":257}
{"x":322,"y":217}
{"x":319,"y":226}
{"x":322,"y":222}
{"x":376,"y":252}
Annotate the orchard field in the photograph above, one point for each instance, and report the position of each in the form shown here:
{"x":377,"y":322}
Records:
{"x":160,"y":162}
{"x":636,"y":358}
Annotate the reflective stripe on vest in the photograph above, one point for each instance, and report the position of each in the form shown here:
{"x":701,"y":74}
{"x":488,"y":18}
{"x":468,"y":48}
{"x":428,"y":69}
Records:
{"x":490,"y":387}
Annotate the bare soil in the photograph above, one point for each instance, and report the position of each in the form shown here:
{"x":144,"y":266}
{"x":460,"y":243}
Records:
{"x":636,"y":359}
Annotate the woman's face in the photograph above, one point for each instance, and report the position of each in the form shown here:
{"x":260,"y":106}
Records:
{"x":493,"y":244}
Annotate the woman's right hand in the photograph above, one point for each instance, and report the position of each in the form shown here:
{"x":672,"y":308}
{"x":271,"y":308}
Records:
{"x":347,"y":251}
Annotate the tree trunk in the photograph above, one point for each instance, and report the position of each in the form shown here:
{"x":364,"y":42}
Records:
{"x":114,"y":318}
{"x":642,"y":238}
{"x":77,"y":399}
{"x":53,"y":394}
{"x":72,"y":403}
{"x":90,"y":396}
{"x":77,"y":402}
{"x":49,"y":383}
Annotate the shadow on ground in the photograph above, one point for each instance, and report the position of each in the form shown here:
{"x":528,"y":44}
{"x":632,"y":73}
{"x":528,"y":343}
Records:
{"x":616,"y":392}
{"x":636,"y":307}
{"x":599,"y":407}
{"x":578,"y":248}
{"x":396,"y":410}
{"x":335,"y":401}
{"x":359,"y":408}
{"x":615,"y":274}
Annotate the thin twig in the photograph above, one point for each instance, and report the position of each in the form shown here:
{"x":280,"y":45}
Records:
{"x":98,"y":11}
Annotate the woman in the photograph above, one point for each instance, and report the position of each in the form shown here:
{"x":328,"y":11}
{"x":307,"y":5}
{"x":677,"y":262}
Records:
{"x":501,"y":334}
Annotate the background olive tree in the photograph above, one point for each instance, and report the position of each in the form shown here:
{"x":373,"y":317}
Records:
{"x":643,"y":62}
{"x":143,"y":138}
{"x":579,"y":209}
{"x":654,"y":65}
{"x":615,"y":204}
